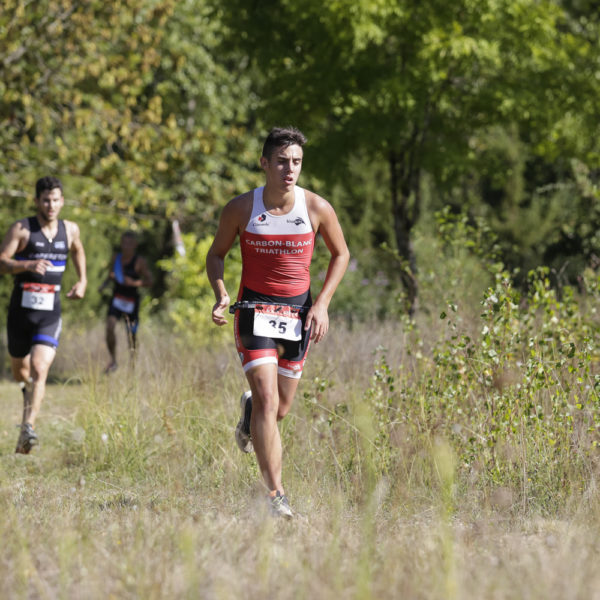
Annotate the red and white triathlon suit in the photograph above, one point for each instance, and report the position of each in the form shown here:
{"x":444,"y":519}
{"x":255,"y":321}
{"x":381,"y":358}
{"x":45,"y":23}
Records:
{"x":276,"y":255}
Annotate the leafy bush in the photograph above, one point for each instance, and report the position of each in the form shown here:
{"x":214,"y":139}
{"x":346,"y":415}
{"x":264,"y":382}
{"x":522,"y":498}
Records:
{"x":190,"y":297}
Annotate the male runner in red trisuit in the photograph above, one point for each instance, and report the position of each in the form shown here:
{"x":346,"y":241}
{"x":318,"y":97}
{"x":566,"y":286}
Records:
{"x":276,"y":225}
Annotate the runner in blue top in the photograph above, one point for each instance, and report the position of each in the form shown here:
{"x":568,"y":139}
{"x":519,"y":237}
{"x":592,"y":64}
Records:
{"x":128,"y":271}
{"x":35,"y":251}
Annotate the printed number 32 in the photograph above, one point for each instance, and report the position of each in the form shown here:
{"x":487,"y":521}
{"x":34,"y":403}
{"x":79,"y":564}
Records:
{"x":281,"y":325}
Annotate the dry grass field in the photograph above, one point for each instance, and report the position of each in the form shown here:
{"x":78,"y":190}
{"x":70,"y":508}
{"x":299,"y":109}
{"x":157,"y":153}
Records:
{"x":138,"y":490}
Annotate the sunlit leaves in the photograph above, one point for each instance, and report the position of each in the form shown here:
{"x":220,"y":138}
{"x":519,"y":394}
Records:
{"x":127,"y":94}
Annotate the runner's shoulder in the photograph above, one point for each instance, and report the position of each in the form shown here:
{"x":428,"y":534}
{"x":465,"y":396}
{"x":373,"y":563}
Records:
{"x":20,"y":229}
{"x":72,"y":230}
{"x":71,"y":225}
{"x":239,"y":208}
{"x":22,"y":223}
{"x":317,"y":206}
{"x":315,"y":202}
{"x":242,"y":200}
{"x":141,"y":264}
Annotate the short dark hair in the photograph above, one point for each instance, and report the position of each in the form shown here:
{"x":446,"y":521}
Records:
{"x":47,"y":183}
{"x":282,"y":136}
{"x":130,"y":234}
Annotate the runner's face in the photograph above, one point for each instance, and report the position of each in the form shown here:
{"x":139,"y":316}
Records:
{"x":283,"y":168}
{"x":49,"y":204}
{"x":128,"y":244}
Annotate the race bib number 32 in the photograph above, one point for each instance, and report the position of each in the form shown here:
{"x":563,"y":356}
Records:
{"x":38,"y":296}
{"x":281,"y":322}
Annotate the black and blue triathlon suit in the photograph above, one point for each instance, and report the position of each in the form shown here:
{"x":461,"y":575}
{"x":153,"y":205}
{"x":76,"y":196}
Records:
{"x":125,"y":301}
{"x":34,"y":314}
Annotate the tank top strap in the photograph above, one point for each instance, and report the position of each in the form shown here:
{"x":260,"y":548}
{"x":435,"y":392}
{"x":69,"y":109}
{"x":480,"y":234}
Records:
{"x":300,"y":206}
{"x":62,"y":230}
{"x":258,"y":204}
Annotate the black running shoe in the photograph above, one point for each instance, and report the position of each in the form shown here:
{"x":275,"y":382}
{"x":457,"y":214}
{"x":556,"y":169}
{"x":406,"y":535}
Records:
{"x":279,"y":506}
{"x":27,"y":439}
{"x":242,"y":430}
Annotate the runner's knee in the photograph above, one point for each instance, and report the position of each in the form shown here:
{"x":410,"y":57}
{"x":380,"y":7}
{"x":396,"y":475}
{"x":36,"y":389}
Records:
{"x":265,"y":403}
{"x":20,"y":371}
{"x":39,"y":370}
{"x":282,"y":411}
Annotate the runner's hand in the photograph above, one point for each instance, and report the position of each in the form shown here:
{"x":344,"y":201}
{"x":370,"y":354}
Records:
{"x":77,"y":292}
{"x":131,"y":282}
{"x":318,"y":318}
{"x":218,"y":312}
{"x":39,"y":266}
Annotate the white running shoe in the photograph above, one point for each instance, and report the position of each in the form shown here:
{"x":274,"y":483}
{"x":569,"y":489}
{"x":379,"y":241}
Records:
{"x":279,"y":506}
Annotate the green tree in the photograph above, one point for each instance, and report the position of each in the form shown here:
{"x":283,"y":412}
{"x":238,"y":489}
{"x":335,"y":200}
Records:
{"x":130,"y":103}
{"x":414,"y":85}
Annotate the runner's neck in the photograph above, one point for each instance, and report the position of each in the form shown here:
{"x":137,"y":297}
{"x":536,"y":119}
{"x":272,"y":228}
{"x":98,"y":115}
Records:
{"x":127,"y":256}
{"x":278,"y":203}
{"x":48,"y":228}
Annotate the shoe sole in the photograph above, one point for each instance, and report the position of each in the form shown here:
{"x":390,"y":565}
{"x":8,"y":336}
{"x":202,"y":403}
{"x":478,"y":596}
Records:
{"x":241,"y":437}
{"x":27,"y":446}
{"x":282,"y":515}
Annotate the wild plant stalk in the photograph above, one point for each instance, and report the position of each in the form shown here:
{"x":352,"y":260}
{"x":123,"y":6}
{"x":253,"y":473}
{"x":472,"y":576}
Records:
{"x":452,"y":457}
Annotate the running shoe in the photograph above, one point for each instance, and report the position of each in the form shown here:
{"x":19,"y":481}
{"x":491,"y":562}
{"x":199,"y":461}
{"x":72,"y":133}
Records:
{"x":279,"y":505}
{"x":242,"y":430}
{"x":27,"y":439}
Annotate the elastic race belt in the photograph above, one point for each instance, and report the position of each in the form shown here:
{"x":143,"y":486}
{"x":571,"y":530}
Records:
{"x":40,"y":287}
{"x":250,"y":305}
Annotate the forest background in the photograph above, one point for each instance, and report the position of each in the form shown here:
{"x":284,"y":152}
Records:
{"x":445,"y":438}
{"x":417,"y":115}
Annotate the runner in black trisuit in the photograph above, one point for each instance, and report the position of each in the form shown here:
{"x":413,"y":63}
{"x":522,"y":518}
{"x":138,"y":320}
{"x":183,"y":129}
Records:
{"x":128,"y":271}
{"x":35,"y":250}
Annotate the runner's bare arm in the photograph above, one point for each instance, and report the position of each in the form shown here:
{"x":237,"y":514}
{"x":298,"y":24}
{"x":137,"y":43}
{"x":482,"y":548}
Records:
{"x":14,"y":241}
{"x":142,"y":269}
{"x":230,"y":225}
{"x":78,"y":255}
{"x":326,"y":223}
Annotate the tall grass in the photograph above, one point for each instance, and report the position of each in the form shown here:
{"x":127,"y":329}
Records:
{"x":451,"y":457}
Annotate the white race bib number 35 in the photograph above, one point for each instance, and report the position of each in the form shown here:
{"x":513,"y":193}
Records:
{"x":38,"y":296}
{"x":277,"y":322}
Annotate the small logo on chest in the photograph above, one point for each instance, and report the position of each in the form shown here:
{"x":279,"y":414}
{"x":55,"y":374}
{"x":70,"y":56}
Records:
{"x":297,"y":221}
{"x":261,"y":221}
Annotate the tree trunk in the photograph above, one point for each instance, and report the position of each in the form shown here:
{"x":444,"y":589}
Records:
{"x":403,"y":184}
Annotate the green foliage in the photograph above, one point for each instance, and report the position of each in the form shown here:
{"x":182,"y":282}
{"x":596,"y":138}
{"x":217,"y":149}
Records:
{"x":152,"y":110}
{"x":541,"y":212}
{"x":511,"y":390}
{"x":191,"y":298}
{"x":107,"y":95}
{"x":131,"y":105}
{"x":518,"y":399}
{"x":495,"y":97}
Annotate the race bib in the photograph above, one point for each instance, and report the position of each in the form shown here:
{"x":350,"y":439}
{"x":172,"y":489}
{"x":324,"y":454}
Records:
{"x":126,"y":305}
{"x":38,"y":296}
{"x":277,"y":322}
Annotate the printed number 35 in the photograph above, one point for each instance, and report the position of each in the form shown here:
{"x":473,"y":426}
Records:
{"x":281,"y":326}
